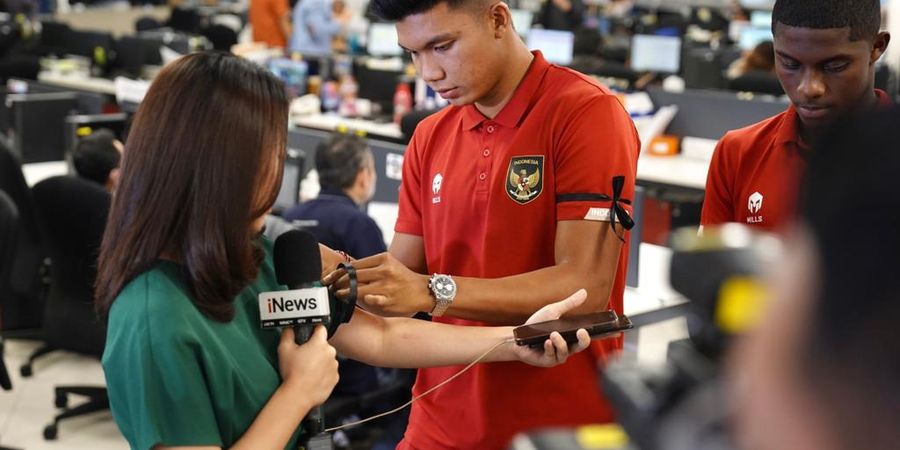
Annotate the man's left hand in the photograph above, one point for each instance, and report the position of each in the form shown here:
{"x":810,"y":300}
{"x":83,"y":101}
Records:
{"x":386,"y":286}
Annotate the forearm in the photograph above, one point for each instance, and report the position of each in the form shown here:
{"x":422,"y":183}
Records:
{"x":511,"y":300}
{"x":278,"y":420}
{"x":412,"y":343}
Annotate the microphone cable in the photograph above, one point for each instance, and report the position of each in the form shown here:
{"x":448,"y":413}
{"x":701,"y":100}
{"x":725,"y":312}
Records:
{"x":429,"y":391}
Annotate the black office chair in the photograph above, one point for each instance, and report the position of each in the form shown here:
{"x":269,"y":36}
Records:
{"x":71,"y":213}
{"x":221,"y":37}
{"x":758,"y":82}
{"x":9,"y":216}
{"x":146,"y":23}
{"x":22,"y":288}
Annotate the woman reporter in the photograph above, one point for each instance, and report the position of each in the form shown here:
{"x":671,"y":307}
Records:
{"x":183,"y":261}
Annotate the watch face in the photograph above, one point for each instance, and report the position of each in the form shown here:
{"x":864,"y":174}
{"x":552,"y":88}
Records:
{"x":444,"y":286}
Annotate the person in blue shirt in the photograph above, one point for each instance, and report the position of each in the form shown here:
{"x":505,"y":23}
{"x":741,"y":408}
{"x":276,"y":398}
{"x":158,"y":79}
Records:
{"x":347,"y":179}
{"x":314,"y":27}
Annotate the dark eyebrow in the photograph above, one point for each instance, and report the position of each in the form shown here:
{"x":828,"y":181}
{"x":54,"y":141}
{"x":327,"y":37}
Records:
{"x":433,"y":41}
{"x":840,"y":57}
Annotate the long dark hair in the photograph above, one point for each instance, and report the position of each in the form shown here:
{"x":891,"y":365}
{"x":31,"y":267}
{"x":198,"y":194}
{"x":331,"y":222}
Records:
{"x":196,"y":171}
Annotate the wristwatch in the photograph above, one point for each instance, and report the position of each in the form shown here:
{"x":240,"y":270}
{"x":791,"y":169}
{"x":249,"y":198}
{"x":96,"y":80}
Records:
{"x":443,"y":289}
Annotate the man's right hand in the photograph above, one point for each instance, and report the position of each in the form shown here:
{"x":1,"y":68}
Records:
{"x":311,"y":367}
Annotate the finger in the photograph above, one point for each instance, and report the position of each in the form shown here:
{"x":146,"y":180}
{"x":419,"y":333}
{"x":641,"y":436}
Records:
{"x":584,"y":340}
{"x":370,"y":262}
{"x":361,"y":291}
{"x":561,"y":348}
{"x":375,"y":300}
{"x":320,"y":333}
{"x":333,"y":276}
{"x":569,"y":303}
{"x":287,"y":336}
{"x":549,"y":349}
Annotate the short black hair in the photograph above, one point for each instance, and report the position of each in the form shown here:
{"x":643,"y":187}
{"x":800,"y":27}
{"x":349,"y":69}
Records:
{"x":340,"y":158}
{"x":95,"y":156}
{"x":851,"y":205}
{"x":863,"y":17}
{"x":397,"y":10}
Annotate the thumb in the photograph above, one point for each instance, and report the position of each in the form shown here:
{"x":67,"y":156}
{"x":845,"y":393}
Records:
{"x":571,"y":302}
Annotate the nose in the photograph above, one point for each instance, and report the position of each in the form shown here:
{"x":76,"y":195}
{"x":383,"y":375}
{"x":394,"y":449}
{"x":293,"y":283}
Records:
{"x":430,"y":70}
{"x":812,"y":85}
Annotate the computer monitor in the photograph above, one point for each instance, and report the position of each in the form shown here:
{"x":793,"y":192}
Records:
{"x":522,"y":20}
{"x":289,"y":194}
{"x":292,"y":72}
{"x":38,"y":122}
{"x":383,"y":40}
{"x":761,"y":19}
{"x":753,"y":36}
{"x":377,"y":85}
{"x":96,"y":45}
{"x":133,"y":53}
{"x":557,"y":46}
{"x":660,"y":54}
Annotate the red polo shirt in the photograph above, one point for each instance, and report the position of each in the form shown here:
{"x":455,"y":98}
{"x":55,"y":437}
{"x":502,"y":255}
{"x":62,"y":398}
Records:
{"x":755,"y":173}
{"x":486,"y":195}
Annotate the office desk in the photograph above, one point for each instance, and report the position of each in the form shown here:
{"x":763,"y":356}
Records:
{"x":35,"y":172}
{"x":80,"y":83}
{"x":331,"y":122}
{"x":673,"y":172}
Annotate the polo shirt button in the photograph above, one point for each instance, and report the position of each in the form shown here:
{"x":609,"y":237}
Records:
{"x":490,"y":129}
{"x":486,"y":152}
{"x":482,"y":176}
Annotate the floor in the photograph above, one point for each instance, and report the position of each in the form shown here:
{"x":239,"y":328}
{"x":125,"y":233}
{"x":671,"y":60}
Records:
{"x":28,"y":408}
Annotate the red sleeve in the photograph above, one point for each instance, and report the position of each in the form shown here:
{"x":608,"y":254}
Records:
{"x":718,"y":204}
{"x":409,"y":217}
{"x":599,"y":145}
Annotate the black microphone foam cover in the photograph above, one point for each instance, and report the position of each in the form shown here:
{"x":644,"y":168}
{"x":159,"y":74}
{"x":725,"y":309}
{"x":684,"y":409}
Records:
{"x":297,"y":259}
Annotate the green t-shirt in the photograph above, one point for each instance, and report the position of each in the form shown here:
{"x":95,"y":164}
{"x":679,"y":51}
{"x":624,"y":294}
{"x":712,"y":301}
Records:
{"x":178,"y":378}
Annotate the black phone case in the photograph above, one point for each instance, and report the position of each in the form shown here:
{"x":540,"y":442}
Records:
{"x":597,"y":330}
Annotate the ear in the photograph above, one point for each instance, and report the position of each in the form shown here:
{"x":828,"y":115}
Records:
{"x":500,"y":19}
{"x":880,"y":46}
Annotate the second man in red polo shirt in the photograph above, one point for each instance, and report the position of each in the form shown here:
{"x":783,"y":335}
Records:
{"x":825,"y":54}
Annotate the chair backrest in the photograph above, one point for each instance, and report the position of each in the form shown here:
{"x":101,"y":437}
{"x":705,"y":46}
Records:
{"x":759,"y":82}
{"x":71,"y":213}
{"x":21,"y":303}
{"x":222,"y":37}
{"x":9,"y":215}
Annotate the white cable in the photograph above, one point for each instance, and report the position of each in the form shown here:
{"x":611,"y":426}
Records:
{"x":400,"y":408}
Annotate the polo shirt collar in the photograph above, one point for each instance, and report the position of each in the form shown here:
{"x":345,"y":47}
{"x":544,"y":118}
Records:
{"x":513,"y":111}
{"x":789,"y":131}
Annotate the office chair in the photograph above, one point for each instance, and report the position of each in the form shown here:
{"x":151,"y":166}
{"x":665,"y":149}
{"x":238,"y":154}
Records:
{"x":9,"y":216}
{"x":146,"y":23}
{"x":71,"y":212}
{"x":222,"y":37}
{"x":22,"y":287}
{"x":758,"y":82}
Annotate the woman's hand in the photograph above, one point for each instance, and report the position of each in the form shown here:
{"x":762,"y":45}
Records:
{"x":555,"y":350}
{"x":311,"y":367}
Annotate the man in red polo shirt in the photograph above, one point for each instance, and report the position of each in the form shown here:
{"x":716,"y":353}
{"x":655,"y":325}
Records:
{"x":514,"y":196}
{"x":825,"y":53}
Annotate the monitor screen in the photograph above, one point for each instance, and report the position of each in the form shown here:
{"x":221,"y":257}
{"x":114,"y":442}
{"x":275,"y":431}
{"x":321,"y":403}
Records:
{"x":761,"y":19}
{"x":650,"y":53}
{"x":522,"y":21}
{"x":289,"y":194}
{"x":383,"y":40}
{"x":753,"y":36}
{"x":557,"y":46}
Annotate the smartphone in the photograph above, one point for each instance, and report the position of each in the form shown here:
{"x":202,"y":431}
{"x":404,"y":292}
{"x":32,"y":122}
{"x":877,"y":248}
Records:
{"x":597,"y":325}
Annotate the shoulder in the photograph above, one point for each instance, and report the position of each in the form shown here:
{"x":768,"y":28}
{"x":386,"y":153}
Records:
{"x":755,"y":136}
{"x":572,"y":94}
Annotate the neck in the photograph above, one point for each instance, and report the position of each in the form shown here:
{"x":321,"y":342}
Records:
{"x":356,"y":195}
{"x":518,"y":64}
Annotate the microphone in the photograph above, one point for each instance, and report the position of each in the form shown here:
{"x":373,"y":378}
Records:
{"x":305,"y":304}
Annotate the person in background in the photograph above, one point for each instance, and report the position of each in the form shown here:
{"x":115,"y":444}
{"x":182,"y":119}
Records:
{"x":314,"y":27}
{"x":347,"y":178}
{"x":565,"y":15}
{"x":271,"y":22}
{"x":344,"y":16}
{"x":346,"y":169}
{"x":96,"y":157}
{"x":820,"y":371}
{"x":825,"y":55}
{"x":760,"y":60}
